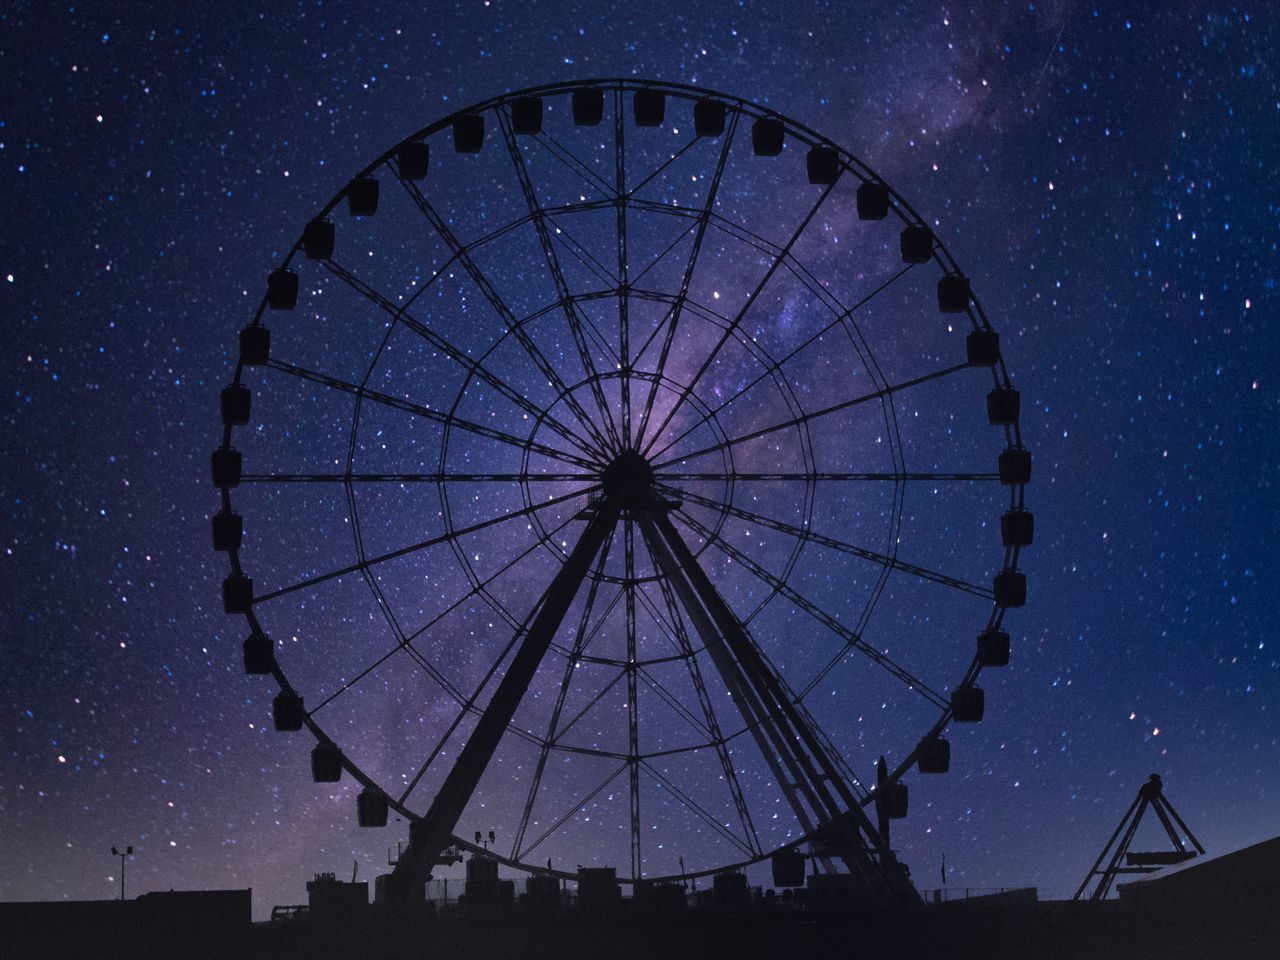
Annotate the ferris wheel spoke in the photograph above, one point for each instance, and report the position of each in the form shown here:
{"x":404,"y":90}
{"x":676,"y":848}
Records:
{"x":635,"y":281}
{"x":600,"y":695}
{"x":673,"y":315}
{"x":571,"y":664}
{"x":415,"y":547}
{"x":814,"y":415}
{"x":477,"y":589}
{"x":582,"y":170}
{"x":482,"y":282}
{"x":775,"y":368}
{"x":666,"y":476}
{"x":633,"y":711}
{"x":624,"y":323}
{"x":400,"y":314}
{"x":667,"y":697}
{"x":809,"y":536}
{"x":737,"y":320}
{"x":569,"y":814}
{"x":595,"y":632}
{"x":668,"y":629}
{"x":570,"y":311}
{"x":817,"y":613}
{"x":696,"y":808}
{"x":349,"y":684}
{"x":413,"y":477}
{"x":445,"y":419}
{"x":583,"y":255}
{"x":657,"y":171}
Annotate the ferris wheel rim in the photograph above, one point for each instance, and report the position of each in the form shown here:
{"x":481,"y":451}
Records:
{"x":689,"y":92}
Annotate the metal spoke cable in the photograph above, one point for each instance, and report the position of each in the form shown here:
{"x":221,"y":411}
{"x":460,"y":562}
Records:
{"x":850,"y":638}
{"x":401,"y":315}
{"x":810,"y":536}
{"x":825,"y":411}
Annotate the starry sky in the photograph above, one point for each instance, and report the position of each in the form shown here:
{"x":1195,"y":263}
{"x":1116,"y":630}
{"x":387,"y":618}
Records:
{"x":1103,"y":173}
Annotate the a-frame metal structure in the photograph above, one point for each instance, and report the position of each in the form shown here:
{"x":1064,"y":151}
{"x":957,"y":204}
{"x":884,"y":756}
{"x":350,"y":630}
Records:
{"x":1116,"y":853}
{"x":797,"y":754}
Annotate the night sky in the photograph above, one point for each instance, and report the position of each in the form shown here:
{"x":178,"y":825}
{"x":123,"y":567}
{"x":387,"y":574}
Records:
{"x":1105,"y":176}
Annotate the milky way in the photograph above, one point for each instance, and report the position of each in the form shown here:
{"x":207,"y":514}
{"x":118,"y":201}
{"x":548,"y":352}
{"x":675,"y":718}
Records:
{"x":1103,"y":179}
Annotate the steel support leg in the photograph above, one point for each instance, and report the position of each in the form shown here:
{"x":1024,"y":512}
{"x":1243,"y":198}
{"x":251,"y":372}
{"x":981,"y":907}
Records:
{"x":429,"y":836}
{"x":841,"y":820}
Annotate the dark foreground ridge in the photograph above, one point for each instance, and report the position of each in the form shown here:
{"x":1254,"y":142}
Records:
{"x":1164,"y":920}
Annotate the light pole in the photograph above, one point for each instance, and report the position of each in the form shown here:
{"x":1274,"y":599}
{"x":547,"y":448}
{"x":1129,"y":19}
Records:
{"x":128,"y":852}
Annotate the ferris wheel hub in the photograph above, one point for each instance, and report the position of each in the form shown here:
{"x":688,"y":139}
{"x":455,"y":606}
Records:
{"x":628,"y":481}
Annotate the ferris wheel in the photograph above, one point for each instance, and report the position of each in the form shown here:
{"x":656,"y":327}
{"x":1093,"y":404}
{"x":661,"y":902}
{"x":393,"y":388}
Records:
{"x":623,"y":467}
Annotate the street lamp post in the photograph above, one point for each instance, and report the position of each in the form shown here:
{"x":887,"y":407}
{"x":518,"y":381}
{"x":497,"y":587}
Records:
{"x":128,"y":852}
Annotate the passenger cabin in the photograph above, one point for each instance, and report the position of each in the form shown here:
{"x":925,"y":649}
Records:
{"x":542,"y":892}
{"x":332,"y":899}
{"x":1017,"y":528}
{"x":317,"y":239}
{"x":967,"y":704}
{"x":708,"y":117}
{"x":259,"y":655}
{"x":237,"y":593}
{"x":482,"y":880}
{"x":729,"y":889}
{"x":468,"y":133}
{"x":326,"y":762}
{"x":255,"y":345}
{"x":954,"y":293}
{"x":649,"y":108}
{"x":934,"y":755}
{"x":873,"y":201}
{"x":588,"y":107}
{"x":526,"y":115}
{"x":1015,"y":466}
{"x":287,"y":712}
{"x":226,"y":464}
{"x":235,"y":401}
{"x":982,"y":348}
{"x":916,"y":244}
{"x":1011,"y":589}
{"x":362,"y":197}
{"x":788,"y":868}
{"x":413,"y":160}
{"x":598,"y":888}
{"x":1003,"y":406}
{"x":993,"y":648}
{"x":371,"y":808}
{"x":228,"y":530}
{"x":891,"y":800}
{"x":282,"y":289}
{"x":822,"y":165}
{"x":767,"y":135}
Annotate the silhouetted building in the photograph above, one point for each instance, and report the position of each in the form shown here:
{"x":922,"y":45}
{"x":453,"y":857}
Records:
{"x":729,"y":890}
{"x":541,"y":893}
{"x":332,"y":899}
{"x":598,"y":888}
